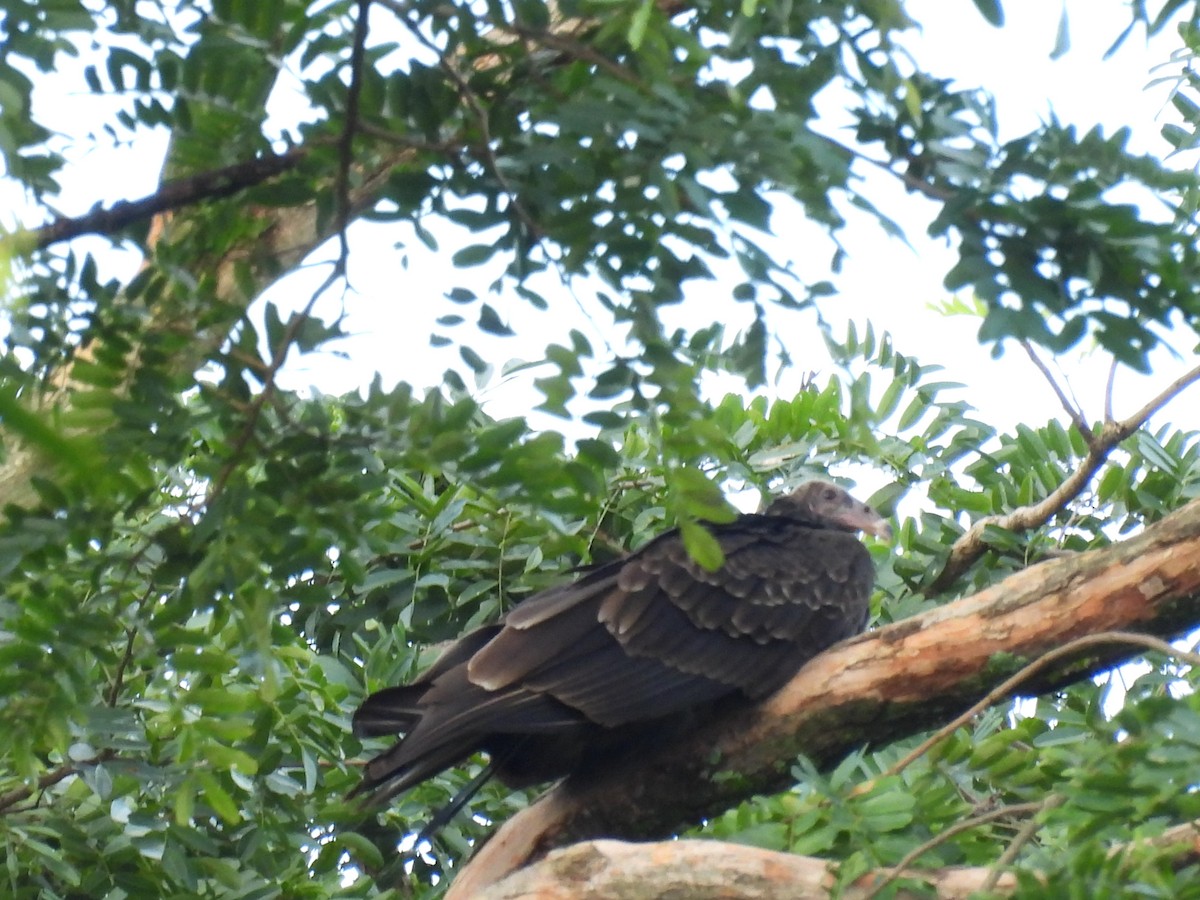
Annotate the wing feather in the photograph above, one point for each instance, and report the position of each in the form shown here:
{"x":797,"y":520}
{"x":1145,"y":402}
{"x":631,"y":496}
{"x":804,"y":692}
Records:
{"x":657,"y":633}
{"x":628,"y":642}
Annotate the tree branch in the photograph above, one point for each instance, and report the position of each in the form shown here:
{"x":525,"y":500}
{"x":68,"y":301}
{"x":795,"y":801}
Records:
{"x":1072,"y":410}
{"x":972,"y":545}
{"x":341,"y":189}
{"x":880,"y":686}
{"x":1109,"y":384}
{"x":118,"y":681}
{"x":1009,"y":686}
{"x":1169,"y":393}
{"x":717,"y":870}
{"x":901,"y":868}
{"x":11,"y":798}
{"x":290,"y":332}
{"x":708,"y":870}
{"x":1023,"y":837}
{"x":177,"y":194}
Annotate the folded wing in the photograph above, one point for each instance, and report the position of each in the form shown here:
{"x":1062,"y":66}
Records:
{"x":631,"y":642}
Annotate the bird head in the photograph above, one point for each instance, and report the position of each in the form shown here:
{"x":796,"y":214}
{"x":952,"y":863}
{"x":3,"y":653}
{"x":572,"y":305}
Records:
{"x":828,"y":505}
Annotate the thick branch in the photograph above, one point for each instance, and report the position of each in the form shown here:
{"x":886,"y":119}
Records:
{"x":182,"y":192}
{"x":897,"y":681}
{"x":700,"y":870}
{"x":972,"y":545}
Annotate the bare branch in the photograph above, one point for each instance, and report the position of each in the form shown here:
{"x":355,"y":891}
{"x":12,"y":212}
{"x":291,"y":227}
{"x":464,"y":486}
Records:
{"x":1023,"y":837}
{"x":707,"y":870}
{"x":1003,"y":812}
{"x":1048,"y":660}
{"x":1075,"y":414}
{"x":17,"y":795}
{"x":972,"y":545}
{"x":341,"y":190}
{"x":1168,"y":394}
{"x":1108,"y":390}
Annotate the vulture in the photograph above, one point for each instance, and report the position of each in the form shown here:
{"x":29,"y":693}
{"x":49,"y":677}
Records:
{"x":631,"y":650}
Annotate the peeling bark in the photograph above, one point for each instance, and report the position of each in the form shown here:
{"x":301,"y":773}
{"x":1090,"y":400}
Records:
{"x":711,"y":870}
{"x":717,"y":870}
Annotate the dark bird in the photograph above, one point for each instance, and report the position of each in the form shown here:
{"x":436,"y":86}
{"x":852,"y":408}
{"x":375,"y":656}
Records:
{"x":581,"y":672}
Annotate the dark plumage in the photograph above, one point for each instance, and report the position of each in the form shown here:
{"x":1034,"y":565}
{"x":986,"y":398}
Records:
{"x":580,"y":672}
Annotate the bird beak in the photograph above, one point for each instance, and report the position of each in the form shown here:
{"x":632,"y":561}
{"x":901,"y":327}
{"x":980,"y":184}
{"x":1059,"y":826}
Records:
{"x":863,"y":518}
{"x":880,"y":528}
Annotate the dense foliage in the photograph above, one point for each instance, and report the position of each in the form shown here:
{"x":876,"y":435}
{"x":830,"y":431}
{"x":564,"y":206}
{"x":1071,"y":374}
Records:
{"x":204,"y":572}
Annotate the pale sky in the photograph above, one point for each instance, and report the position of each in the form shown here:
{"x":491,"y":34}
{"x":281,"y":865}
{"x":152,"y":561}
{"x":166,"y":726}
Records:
{"x":884,"y":282}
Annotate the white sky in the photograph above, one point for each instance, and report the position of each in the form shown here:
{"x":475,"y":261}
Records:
{"x":397,"y":293}
{"x":392,"y":308}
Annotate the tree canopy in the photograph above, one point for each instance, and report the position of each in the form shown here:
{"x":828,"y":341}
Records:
{"x":205,"y":571}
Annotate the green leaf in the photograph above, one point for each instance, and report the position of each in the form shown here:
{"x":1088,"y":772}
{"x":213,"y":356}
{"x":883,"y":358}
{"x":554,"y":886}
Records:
{"x":490,"y":321}
{"x":477,"y":363}
{"x":474,"y":255}
{"x":218,"y":798}
{"x":701,"y":545}
{"x":184,"y":801}
{"x":224,"y":758}
{"x":360,"y":848}
{"x":638,"y":24}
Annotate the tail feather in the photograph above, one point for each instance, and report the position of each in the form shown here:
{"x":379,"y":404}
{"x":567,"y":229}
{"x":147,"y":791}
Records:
{"x":390,"y":773}
{"x":442,"y":817}
{"x":391,"y":711}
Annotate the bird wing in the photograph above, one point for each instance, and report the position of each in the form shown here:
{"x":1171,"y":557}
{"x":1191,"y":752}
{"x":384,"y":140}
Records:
{"x":657,"y":633}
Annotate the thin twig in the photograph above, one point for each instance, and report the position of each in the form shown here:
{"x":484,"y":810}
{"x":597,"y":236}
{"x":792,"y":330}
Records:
{"x":994,"y":696}
{"x":576,"y":50}
{"x":114,"y":689}
{"x":1108,"y":390}
{"x":290,"y":333}
{"x":1007,"y":686}
{"x":1166,"y":396}
{"x":1075,"y":414}
{"x":51,"y":778}
{"x":1003,"y":812}
{"x":1022,"y":837}
{"x":409,"y":142}
{"x":346,"y":141}
{"x":912,"y":182}
{"x":971,"y":546}
{"x":481,"y":120}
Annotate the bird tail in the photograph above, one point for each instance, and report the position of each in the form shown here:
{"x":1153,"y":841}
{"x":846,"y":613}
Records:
{"x":441,"y":818}
{"x":386,"y":776}
{"x":391,"y":711}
